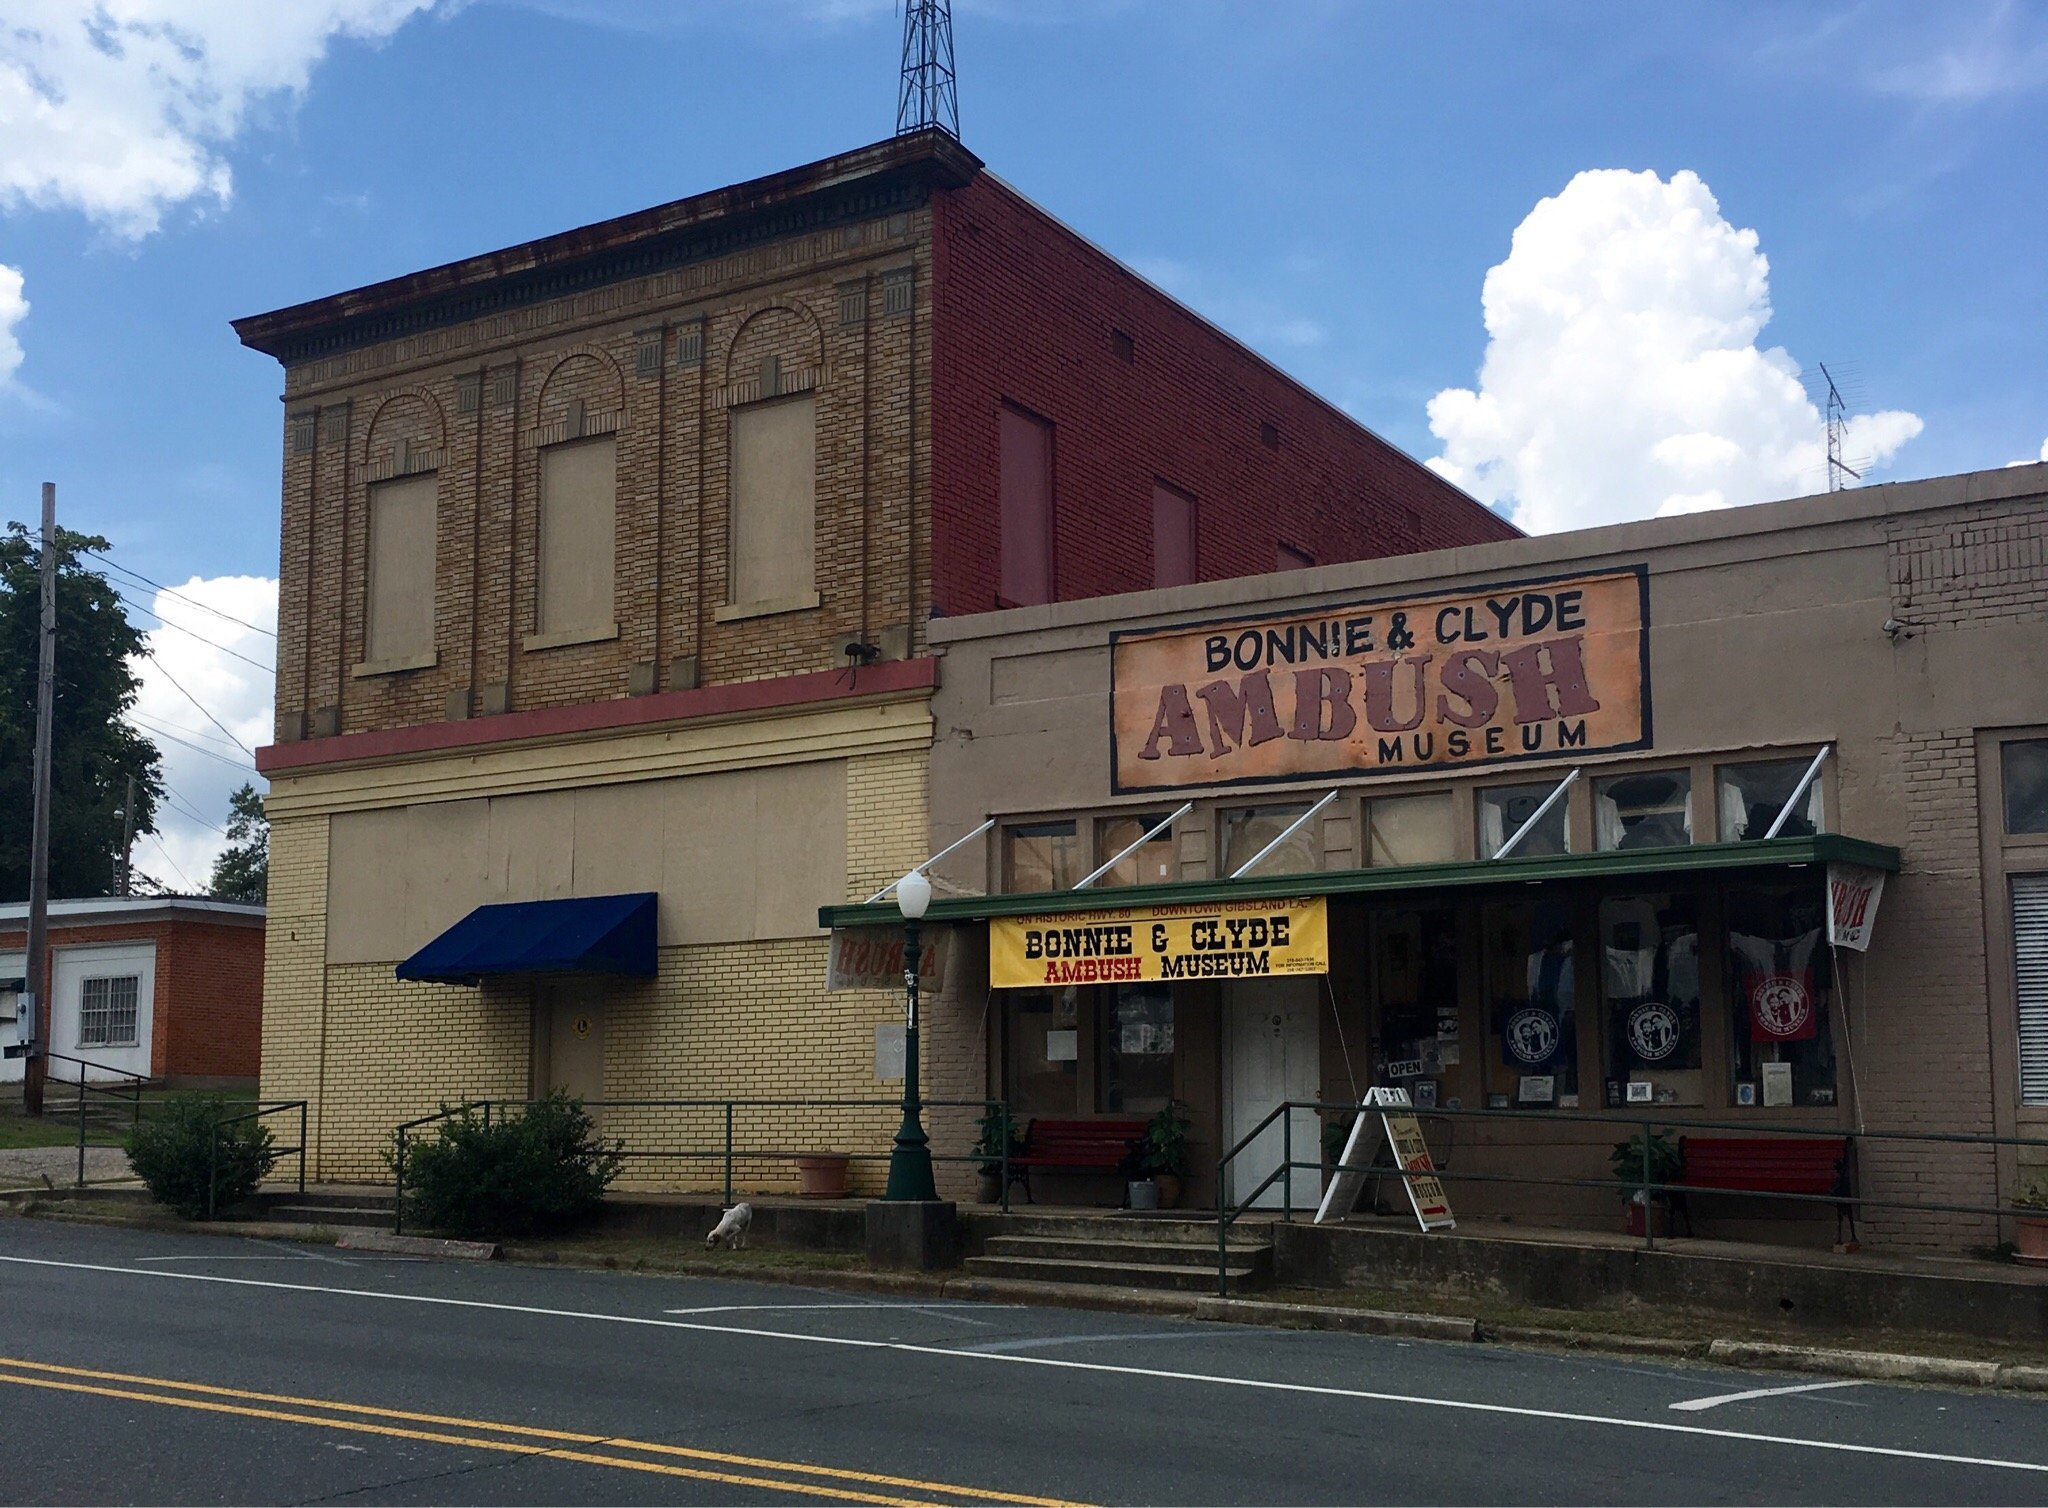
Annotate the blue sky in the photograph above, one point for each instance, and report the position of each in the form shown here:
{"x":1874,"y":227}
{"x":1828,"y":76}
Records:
{"x":1331,"y":181}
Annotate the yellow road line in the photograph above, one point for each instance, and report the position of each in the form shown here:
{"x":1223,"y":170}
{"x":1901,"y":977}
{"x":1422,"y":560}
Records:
{"x":534,"y":1432}
{"x":538,"y":1452}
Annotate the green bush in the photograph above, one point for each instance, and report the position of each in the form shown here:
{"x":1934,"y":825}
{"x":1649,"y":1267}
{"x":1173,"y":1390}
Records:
{"x":176,"y":1151}
{"x":520,"y":1175}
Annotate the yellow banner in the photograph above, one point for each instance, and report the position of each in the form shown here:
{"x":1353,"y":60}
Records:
{"x":1225,"y":940}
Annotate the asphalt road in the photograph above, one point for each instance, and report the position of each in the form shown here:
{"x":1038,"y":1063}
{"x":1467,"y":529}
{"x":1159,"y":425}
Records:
{"x":137,"y":1367}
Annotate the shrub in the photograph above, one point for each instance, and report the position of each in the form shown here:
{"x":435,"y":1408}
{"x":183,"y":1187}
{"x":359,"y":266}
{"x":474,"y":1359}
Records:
{"x":520,"y":1175}
{"x":177,"y":1150}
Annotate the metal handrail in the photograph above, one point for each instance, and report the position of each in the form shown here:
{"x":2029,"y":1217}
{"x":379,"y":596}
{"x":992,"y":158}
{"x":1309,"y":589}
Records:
{"x":261,"y":1109}
{"x":129,"y":1092}
{"x":1641,"y":1128}
{"x":728,"y":1152}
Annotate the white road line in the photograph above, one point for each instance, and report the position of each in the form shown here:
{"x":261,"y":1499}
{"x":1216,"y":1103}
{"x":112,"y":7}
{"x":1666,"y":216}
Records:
{"x":1257,"y":1384}
{"x":1051,"y":1342}
{"x":1694,"y":1405}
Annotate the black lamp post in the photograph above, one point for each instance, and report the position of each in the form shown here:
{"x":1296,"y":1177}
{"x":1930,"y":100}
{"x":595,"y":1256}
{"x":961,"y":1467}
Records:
{"x":910,"y":1163}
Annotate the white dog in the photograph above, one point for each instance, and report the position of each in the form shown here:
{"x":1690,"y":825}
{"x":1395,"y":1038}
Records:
{"x":731,"y":1228}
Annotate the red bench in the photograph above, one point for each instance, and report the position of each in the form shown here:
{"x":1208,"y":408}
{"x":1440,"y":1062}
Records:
{"x":1818,"y":1165}
{"x":1100,"y":1146}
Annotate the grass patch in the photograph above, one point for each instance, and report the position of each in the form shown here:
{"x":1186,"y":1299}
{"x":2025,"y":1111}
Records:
{"x":18,"y":1130}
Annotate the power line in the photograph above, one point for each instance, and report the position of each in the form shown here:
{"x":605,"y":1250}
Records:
{"x":213,"y":739}
{"x":179,"y":596}
{"x":184,"y":809}
{"x":209,"y":643}
{"x":200,"y":705}
{"x":150,"y":728}
{"x":190,"y":888}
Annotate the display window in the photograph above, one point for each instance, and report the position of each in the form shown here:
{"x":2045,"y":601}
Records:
{"x":1504,"y":808}
{"x":1530,"y":989}
{"x":2023,"y":765}
{"x":1781,"y":990}
{"x":1409,"y":830}
{"x":1415,"y":993}
{"x":1039,"y":856}
{"x":1247,"y":829}
{"x":1042,"y":1061}
{"x":1136,"y":1076}
{"x":1649,"y":809}
{"x":1753,"y":793}
{"x":1650,"y":999}
{"x":1150,"y":863}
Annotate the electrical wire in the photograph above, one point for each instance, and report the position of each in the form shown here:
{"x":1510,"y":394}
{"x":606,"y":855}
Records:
{"x":151,"y":654}
{"x":233,"y":764}
{"x":184,"y":809}
{"x":209,"y":643}
{"x":190,"y":888}
{"x":179,"y":596}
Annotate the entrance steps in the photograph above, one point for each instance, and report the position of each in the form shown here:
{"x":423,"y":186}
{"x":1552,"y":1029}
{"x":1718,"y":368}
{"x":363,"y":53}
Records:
{"x":343,"y":1208}
{"x":1168,"y":1255}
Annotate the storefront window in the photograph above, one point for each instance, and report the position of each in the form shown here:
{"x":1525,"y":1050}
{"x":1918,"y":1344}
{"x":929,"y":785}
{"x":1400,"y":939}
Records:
{"x":1149,"y":864}
{"x":1504,"y":808}
{"x":1415,"y":986}
{"x":1043,"y":1055}
{"x":1781,"y":985}
{"x":2025,"y":766}
{"x":1247,"y":829}
{"x":1530,"y":988}
{"x":1752,"y":795}
{"x":1650,"y":996}
{"x":1137,"y":1048}
{"x":1652,"y":809}
{"x":1041,"y":856}
{"x":1408,"y":830}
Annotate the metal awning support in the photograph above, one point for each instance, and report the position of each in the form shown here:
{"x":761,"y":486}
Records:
{"x":1285,"y":833}
{"x":1536,"y":816}
{"x":927,"y":864}
{"x":1143,"y":838}
{"x":1799,"y":790}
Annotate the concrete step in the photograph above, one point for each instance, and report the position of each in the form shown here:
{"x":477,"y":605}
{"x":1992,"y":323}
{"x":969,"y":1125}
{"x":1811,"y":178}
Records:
{"x":1132,"y":1249}
{"x":344,"y":1199}
{"x":1178,"y":1230}
{"x":366,"y":1216}
{"x":1180,"y":1278}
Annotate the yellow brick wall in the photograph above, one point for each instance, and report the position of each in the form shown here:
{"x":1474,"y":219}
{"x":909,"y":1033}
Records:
{"x":731,"y":1020}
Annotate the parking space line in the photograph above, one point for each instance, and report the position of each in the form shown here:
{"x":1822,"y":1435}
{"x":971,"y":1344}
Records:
{"x":1694,"y":1405}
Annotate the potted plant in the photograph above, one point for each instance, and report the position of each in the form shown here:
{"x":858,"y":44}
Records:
{"x":1163,"y":1154}
{"x":995,"y":1129}
{"x":1665,"y":1167}
{"x":822,"y":1175}
{"x":2030,"y":1232}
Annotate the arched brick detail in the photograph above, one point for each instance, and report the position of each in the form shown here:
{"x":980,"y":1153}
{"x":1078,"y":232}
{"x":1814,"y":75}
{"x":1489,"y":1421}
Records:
{"x":584,"y":393}
{"x":776,"y":350}
{"x":405,"y":435}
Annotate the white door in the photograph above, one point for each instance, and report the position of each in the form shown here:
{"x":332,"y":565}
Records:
{"x":1272,"y":1052}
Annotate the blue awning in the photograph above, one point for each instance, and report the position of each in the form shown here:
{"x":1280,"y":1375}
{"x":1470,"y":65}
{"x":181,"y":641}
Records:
{"x":596,"y":934}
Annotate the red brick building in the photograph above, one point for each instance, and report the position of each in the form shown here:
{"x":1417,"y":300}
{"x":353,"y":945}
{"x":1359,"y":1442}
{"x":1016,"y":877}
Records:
{"x":168,"y":988}
{"x":608,"y":557}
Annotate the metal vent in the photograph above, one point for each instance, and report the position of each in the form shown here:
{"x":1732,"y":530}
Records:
{"x":853,"y":302}
{"x":690,"y":344}
{"x":647,"y":352}
{"x":469,"y":392}
{"x":2030,"y":956}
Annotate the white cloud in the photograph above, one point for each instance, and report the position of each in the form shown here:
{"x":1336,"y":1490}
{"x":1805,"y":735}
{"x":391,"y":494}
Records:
{"x":1963,"y":58}
{"x":1622,"y":374}
{"x":201,"y":764}
{"x":121,"y":109}
{"x":2031,"y":460}
{"x":13,"y":310}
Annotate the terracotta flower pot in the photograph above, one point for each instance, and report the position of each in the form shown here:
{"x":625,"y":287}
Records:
{"x":2031,"y":1237}
{"x":822,"y":1175}
{"x":1169,"y":1189}
{"x":1660,"y":1217}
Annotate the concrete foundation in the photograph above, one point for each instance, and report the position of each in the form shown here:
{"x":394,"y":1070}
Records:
{"x":919,"y":1236}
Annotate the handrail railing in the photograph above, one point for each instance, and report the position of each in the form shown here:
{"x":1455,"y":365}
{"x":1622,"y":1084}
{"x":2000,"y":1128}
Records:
{"x":261,"y":1109}
{"x":729,"y":1150}
{"x":129,"y":1092}
{"x":1640,"y":1130}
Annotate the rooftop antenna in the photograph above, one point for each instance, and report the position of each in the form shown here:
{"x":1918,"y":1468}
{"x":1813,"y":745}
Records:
{"x":926,"y":97}
{"x":1839,"y":471}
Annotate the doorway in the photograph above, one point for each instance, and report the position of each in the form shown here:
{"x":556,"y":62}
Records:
{"x":568,"y":1038}
{"x":1273,"y":1052}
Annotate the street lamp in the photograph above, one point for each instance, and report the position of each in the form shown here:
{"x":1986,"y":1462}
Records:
{"x":910,"y":1163}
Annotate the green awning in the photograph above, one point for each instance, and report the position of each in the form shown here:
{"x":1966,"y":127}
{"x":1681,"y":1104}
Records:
{"x":1627,"y":865}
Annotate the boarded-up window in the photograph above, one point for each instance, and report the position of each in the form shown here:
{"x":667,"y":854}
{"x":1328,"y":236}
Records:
{"x":1026,"y":489}
{"x":578,"y":516}
{"x":1173,"y":536}
{"x":774,"y":500}
{"x":399,"y":622}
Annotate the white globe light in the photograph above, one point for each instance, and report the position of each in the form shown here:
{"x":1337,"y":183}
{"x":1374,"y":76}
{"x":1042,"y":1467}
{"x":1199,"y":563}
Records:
{"x":913,"y":895}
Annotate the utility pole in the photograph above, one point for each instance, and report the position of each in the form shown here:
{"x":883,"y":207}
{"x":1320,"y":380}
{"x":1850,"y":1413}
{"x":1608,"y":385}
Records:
{"x":34,"y":1070}
{"x":127,"y":842}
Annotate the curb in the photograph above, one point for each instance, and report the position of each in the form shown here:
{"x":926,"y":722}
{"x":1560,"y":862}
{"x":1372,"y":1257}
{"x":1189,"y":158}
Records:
{"x":418,"y":1246}
{"x":1882,"y":1366}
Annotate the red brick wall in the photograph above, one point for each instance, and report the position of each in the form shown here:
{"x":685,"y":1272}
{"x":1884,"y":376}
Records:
{"x":207,"y":1015}
{"x":1025,"y":311}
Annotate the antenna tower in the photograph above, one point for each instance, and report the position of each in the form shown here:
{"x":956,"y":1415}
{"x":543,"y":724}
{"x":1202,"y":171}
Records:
{"x":926,"y":98}
{"x":1840,"y":472}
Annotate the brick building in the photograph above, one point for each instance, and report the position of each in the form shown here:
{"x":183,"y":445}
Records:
{"x":1652,"y":951}
{"x":167,"y":988}
{"x":609,"y":565}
